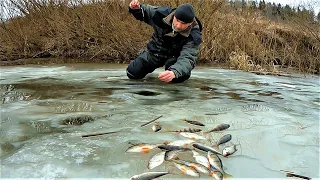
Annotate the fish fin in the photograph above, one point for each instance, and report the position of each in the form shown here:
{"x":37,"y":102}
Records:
{"x":133,"y":144}
{"x":225,"y":176}
{"x":211,"y":173}
{"x":166,"y":142}
{"x":175,"y":158}
{"x":193,"y":138}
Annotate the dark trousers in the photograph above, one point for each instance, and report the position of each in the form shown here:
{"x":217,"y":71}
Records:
{"x":147,"y":62}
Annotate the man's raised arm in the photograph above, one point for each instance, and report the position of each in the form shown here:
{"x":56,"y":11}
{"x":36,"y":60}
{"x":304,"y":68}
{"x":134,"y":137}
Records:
{"x":142,"y":12}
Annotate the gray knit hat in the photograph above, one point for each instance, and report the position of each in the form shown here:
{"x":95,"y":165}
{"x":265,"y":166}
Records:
{"x":185,"y":13}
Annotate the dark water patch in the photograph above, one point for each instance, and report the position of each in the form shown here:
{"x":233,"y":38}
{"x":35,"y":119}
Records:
{"x":40,"y":90}
{"x":147,"y":93}
{"x":36,"y":86}
{"x":259,"y":92}
{"x":207,"y":88}
{"x":227,"y":95}
{"x":7,"y":147}
{"x":316,"y":100}
{"x":233,"y":95}
{"x":78,"y":120}
{"x":211,"y":91}
{"x":103,"y":102}
{"x":148,"y":97}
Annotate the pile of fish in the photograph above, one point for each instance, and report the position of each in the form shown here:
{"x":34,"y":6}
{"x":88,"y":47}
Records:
{"x":189,"y":156}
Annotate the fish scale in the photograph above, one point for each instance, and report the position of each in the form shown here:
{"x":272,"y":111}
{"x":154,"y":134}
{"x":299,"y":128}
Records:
{"x":156,"y":160}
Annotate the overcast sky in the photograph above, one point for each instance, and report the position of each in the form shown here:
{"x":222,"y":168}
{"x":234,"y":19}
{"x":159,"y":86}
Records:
{"x":306,"y":3}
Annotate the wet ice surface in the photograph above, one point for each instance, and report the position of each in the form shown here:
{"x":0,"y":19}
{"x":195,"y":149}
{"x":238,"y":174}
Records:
{"x":275,"y":120}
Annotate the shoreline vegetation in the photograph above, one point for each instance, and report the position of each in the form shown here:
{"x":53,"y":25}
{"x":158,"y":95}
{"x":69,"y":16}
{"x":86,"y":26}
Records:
{"x":257,"y":37}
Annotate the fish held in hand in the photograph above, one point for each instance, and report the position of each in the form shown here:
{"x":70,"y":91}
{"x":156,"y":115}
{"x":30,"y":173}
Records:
{"x":148,"y":175}
{"x":194,"y":122}
{"x":156,"y":160}
{"x":220,"y":127}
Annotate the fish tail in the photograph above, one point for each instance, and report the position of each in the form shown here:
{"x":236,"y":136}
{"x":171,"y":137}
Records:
{"x":226,"y":175}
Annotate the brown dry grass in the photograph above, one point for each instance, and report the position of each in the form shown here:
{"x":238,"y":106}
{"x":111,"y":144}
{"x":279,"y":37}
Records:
{"x":104,"y":30}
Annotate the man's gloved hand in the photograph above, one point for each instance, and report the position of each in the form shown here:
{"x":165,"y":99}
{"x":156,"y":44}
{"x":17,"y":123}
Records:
{"x":135,"y":4}
{"x":166,"y":76}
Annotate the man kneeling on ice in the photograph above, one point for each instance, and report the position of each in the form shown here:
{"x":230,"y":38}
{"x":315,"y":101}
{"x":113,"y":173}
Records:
{"x":174,"y":44}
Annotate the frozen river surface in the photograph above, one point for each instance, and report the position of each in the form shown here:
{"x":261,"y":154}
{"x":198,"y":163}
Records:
{"x":46,"y":109}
